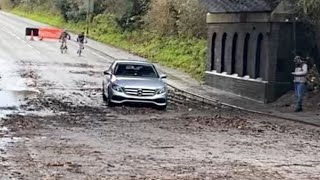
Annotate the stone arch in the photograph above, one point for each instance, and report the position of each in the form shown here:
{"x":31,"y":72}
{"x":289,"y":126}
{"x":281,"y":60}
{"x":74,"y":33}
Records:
{"x":223,"y":51}
{"x":245,"y":55}
{"x":234,"y":53}
{"x":258,"y":56}
{"x":213,"y":47}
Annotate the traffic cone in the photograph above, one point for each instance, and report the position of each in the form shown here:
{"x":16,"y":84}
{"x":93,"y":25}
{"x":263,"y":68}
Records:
{"x":31,"y":36}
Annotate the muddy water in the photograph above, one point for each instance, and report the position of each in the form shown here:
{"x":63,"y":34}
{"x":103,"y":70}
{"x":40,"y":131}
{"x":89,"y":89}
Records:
{"x":11,"y":100}
{"x":9,"y":104}
{"x":13,"y":87}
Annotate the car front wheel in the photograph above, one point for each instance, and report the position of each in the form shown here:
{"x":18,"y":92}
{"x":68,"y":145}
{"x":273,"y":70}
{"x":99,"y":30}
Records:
{"x":162,"y":108}
{"x":106,"y":98}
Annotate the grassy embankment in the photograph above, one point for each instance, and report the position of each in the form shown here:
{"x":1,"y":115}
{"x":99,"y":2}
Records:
{"x":181,"y":53}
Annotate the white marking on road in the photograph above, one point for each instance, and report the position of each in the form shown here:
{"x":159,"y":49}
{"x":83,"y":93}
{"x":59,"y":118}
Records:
{"x":96,"y":54}
{"x":8,"y":31}
{"x":34,"y":49}
{"x":12,"y":34}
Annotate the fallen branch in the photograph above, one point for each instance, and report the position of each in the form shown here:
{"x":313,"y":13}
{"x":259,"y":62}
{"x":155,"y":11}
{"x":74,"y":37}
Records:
{"x":304,"y":165}
{"x":164,"y":147}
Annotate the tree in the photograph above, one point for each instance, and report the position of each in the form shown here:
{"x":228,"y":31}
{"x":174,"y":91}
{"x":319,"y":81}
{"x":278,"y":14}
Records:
{"x":191,"y":18}
{"x":177,"y":17}
{"x":310,"y":8}
{"x":71,"y":10}
{"x":162,"y":17}
{"x":132,"y":17}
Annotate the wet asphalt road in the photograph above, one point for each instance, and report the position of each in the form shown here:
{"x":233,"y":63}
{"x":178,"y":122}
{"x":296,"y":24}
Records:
{"x":21,"y":57}
{"x":54,"y":125}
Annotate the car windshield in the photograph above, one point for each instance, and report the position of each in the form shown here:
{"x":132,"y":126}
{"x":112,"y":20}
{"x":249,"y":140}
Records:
{"x":136,"y":70}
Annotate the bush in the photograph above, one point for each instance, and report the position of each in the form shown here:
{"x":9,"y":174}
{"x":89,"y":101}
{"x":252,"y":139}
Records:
{"x":132,"y":17}
{"x":9,"y":4}
{"x":162,"y":17}
{"x":177,"y":17}
{"x":309,"y":8}
{"x":105,"y":24}
{"x":71,"y":10}
{"x":191,"y":18}
{"x":5,"y":4}
{"x":313,"y":77}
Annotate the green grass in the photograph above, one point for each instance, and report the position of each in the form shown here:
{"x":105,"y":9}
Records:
{"x":181,"y":53}
{"x":43,"y":17}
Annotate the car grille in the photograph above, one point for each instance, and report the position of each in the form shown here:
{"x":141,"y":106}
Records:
{"x":139,"y":92}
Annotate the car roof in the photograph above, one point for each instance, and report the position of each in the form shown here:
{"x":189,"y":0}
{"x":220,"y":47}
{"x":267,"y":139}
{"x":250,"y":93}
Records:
{"x":129,"y":61}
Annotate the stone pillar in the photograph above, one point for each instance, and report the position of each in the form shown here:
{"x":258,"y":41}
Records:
{"x":218,"y":52}
{"x":272,"y":52}
{"x":267,"y":51}
{"x":209,"y":54}
{"x":239,"y":55}
{"x":263,"y":58}
{"x":228,"y":53}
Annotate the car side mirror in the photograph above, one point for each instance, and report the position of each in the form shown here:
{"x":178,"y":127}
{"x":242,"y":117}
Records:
{"x":163,"y":76}
{"x":106,"y":72}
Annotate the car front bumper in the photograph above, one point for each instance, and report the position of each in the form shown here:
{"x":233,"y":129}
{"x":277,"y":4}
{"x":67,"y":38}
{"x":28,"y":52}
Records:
{"x":121,"y":97}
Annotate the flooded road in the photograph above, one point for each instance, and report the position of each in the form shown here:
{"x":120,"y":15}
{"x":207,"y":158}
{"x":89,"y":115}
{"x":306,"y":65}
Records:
{"x":54,"y":125}
{"x":14,"y":99}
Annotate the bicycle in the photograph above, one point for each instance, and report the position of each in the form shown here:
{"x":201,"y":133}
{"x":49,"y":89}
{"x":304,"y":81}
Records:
{"x":63,"y":47}
{"x":81,"y":47}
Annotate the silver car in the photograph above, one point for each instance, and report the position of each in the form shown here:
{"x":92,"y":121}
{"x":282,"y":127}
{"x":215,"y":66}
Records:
{"x":134,"y":81}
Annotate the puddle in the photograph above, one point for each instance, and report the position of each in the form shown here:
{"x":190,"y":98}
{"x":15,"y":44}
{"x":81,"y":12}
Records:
{"x":41,"y":113}
{"x":4,"y":129}
{"x":5,"y":143}
{"x":11,"y":100}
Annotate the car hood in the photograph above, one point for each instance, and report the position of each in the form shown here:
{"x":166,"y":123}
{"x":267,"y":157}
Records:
{"x":143,"y":83}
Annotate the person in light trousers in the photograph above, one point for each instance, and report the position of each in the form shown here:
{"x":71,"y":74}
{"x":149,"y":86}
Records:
{"x":300,"y":73}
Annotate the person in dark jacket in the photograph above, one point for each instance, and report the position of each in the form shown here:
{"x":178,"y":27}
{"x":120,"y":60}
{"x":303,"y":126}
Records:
{"x":63,"y":39}
{"x":81,"y":40}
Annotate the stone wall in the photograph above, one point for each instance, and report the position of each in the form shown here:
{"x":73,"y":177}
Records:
{"x":260,"y":91}
{"x":241,"y":48}
{"x":248,"y":58}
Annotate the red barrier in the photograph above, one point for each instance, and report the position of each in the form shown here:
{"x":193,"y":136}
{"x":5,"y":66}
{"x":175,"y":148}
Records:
{"x":49,"y":33}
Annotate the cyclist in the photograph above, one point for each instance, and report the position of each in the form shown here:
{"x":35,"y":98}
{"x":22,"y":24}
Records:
{"x":63,"y":38}
{"x":81,"y":40}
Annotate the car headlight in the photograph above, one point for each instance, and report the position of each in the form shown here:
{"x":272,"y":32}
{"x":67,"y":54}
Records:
{"x":117,"y":88}
{"x":162,"y":90}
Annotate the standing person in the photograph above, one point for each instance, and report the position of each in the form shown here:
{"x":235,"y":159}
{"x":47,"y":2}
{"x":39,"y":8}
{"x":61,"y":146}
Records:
{"x":300,"y":73}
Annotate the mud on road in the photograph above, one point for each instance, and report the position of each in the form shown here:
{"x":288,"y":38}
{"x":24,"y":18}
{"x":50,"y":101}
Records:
{"x":66,"y":132}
